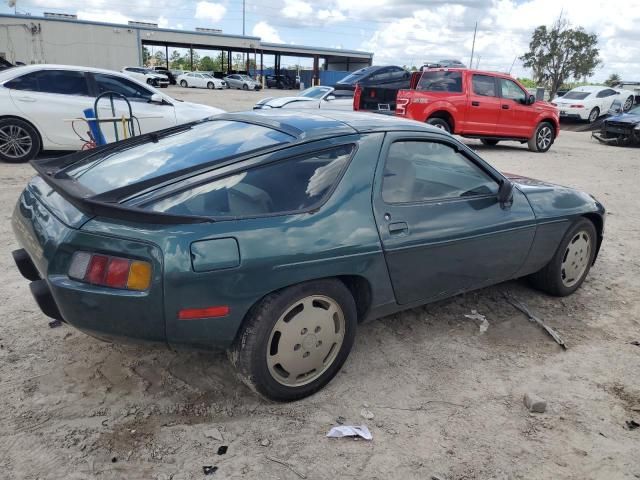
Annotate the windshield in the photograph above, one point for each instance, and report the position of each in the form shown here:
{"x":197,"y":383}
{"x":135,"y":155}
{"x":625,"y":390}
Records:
{"x":575,"y":95}
{"x":635,"y":110}
{"x":246,"y":77}
{"x":315,"y":92}
{"x":355,"y":75}
{"x":205,"y":142}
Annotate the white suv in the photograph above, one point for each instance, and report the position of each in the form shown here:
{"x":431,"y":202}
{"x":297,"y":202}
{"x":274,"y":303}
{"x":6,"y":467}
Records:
{"x":147,"y":75}
{"x":37,"y":102}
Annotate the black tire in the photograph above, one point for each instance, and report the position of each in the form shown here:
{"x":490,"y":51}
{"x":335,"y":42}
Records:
{"x":184,"y":84}
{"x":19,"y":141}
{"x":150,"y":81}
{"x":551,"y":278}
{"x":542,"y":138}
{"x":210,"y":85}
{"x":593,"y":115}
{"x":245,"y":86}
{"x":628,"y":104}
{"x":440,"y":123}
{"x":249,"y":352}
{"x":489,"y":142}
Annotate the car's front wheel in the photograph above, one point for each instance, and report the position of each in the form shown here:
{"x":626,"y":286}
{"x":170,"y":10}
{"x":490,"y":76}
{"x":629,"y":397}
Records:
{"x":245,"y":86}
{"x":210,"y":85}
{"x":542,"y":138}
{"x":571,"y":263}
{"x":19,"y":141}
{"x":294,"y":341}
{"x":183,"y":83}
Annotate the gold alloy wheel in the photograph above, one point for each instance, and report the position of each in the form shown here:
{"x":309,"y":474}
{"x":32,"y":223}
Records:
{"x":305,"y":340}
{"x":576,"y":259}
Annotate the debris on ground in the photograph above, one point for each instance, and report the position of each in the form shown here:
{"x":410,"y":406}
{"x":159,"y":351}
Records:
{"x":286,"y":464}
{"x":213,"y":433}
{"x":55,"y":323}
{"x":535,"y":403}
{"x":636,"y":343}
{"x":222,"y":449}
{"x":484,"y":323}
{"x":350,"y":431}
{"x":366,"y":414}
{"x":632,"y":424}
{"x":266,"y":442}
{"x":532,"y":318}
{"x":340,"y":420}
{"x":209,"y":469}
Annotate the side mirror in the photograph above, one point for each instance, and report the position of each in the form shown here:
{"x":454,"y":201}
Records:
{"x":156,"y":98}
{"x":531,"y":100}
{"x":505,"y":193}
{"x":330,"y":97}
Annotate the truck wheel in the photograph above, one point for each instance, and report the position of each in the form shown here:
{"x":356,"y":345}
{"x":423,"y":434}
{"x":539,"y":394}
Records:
{"x":570,"y":265}
{"x":542,"y":138}
{"x":489,"y":141}
{"x":440,"y":123}
{"x":593,"y":115}
{"x":294,"y":341}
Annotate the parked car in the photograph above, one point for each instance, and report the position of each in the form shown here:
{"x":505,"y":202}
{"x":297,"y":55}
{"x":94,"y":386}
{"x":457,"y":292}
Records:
{"x":273,"y":234}
{"x":147,"y":75}
{"x":487,"y":105}
{"x":283,"y":82}
{"x":35,"y":101}
{"x":244,"y":82}
{"x":382,"y":76}
{"x":446,"y":63}
{"x":314,"y":97}
{"x":200,"y":80}
{"x":164,"y":71}
{"x":621,"y":128}
{"x":590,"y":102}
{"x":4,"y":64}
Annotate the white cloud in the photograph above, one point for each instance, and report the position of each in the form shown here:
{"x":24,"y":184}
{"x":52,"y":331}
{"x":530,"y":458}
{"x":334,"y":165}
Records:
{"x":331,"y":16}
{"x":266,"y":32}
{"x":297,"y":9}
{"x":107,"y":16}
{"x":213,"y":12}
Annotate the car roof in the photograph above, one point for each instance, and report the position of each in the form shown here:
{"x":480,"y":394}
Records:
{"x":589,"y":88}
{"x":328,"y":123}
{"x":23,"y":69}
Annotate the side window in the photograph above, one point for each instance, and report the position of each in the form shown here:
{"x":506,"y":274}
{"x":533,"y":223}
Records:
{"x":382,"y":74}
{"x":260,"y":190}
{"x":484,"y":85}
{"x":511,"y":90}
{"x":52,"y":81}
{"x":418,"y":171}
{"x":131,"y":90}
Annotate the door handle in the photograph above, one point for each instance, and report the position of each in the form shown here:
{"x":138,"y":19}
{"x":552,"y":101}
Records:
{"x":26,"y":99}
{"x":475,"y":104}
{"x":398,"y":228}
{"x":505,"y":107}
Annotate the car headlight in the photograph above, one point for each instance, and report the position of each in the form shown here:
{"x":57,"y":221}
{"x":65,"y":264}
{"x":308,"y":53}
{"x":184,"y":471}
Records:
{"x":637,"y":127}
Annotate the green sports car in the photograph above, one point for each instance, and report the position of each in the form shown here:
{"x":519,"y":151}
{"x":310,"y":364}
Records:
{"x":272,"y":234}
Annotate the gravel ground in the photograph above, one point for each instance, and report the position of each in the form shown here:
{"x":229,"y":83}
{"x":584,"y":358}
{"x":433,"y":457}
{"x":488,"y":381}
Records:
{"x":446,"y":398}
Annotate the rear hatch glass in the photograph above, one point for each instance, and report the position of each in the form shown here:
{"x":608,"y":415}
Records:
{"x":203,"y":143}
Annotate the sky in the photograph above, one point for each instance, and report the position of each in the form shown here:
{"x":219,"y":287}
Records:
{"x":398,"y":32}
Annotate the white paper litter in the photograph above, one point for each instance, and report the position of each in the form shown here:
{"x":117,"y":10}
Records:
{"x":350,"y":431}
{"x":484,"y":323}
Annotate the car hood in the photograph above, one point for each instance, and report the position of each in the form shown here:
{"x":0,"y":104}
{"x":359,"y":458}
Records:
{"x":188,"y":111}
{"x":630,"y":118}
{"x":278,"y":102}
{"x":158,"y":75}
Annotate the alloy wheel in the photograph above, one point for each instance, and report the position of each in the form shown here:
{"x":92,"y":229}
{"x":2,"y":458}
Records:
{"x":628,"y":104}
{"x":576,"y":258}
{"x":593,"y":116}
{"x":15,"y":141}
{"x":305,"y":340}
{"x":544,"y":138}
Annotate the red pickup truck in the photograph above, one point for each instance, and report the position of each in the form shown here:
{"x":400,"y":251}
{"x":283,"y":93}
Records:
{"x":486,"y":105}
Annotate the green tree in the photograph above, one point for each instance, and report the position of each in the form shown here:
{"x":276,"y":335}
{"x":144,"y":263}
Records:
{"x":207,"y":64}
{"x":613,"y":80}
{"x":528,"y":83}
{"x":175,"y":60}
{"x":146,"y":55}
{"x":160,"y":59}
{"x":559,"y":53}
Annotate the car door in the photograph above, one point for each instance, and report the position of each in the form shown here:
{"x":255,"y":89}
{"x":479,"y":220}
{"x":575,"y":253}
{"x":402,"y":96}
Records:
{"x":151,"y":116}
{"x":483,"y":106}
{"x":50,"y":99}
{"x":517,"y":119}
{"x":442,"y":228}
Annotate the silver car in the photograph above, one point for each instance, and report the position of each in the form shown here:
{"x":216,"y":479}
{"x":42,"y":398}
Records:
{"x":244,"y":82}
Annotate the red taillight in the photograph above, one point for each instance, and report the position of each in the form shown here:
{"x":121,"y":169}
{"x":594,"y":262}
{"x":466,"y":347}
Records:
{"x":109,"y":271}
{"x":208,"y":312}
{"x":401,"y":106}
{"x":356,"y":97}
{"x":576,"y":106}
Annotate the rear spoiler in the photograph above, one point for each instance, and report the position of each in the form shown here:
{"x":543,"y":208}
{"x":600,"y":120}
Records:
{"x":53,"y":172}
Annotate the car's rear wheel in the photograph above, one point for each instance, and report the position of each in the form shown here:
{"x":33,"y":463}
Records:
{"x":150,"y":81}
{"x":593,"y":115}
{"x":628,"y":103}
{"x":440,"y":123}
{"x":542,"y":138}
{"x":245,"y":86}
{"x":19,"y":141}
{"x":294,"y":341}
{"x":571,"y":263}
{"x":184,"y":84}
{"x":210,"y":85}
{"x":489,"y":141}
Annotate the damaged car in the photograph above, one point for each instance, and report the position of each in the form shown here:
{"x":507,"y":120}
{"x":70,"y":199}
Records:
{"x":314,"y":97}
{"x":622,"y":129}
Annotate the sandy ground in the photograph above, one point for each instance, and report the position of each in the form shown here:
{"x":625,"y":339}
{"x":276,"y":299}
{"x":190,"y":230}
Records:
{"x":446,"y":398}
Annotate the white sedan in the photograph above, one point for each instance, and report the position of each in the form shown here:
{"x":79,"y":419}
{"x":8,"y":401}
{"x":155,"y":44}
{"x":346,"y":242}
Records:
{"x":148,"y":76}
{"x":314,"y":97}
{"x":37,"y":100}
{"x":590,"y":102}
{"x":200,"y":80}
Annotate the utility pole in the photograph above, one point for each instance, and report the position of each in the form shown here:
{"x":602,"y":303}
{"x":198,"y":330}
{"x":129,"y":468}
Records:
{"x":473,"y":46}
{"x":243,"y":9}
